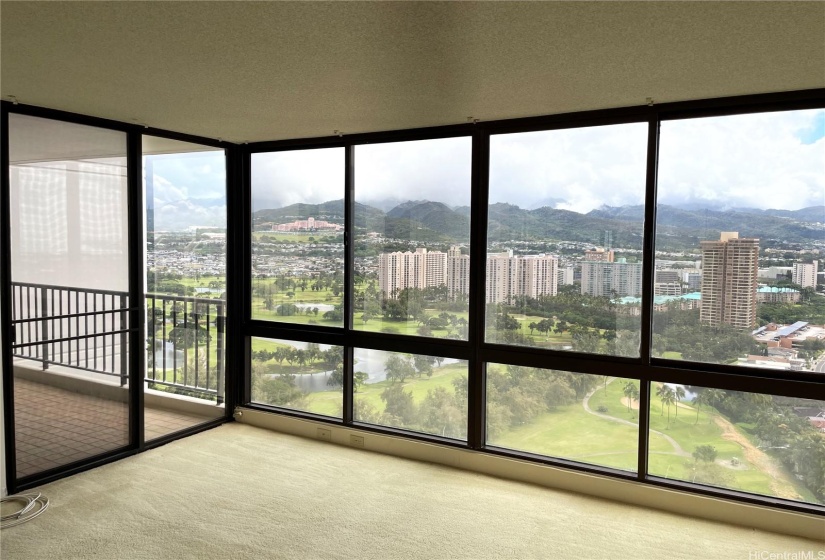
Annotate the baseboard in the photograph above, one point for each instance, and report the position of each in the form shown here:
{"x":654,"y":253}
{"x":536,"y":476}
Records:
{"x":706,"y":507}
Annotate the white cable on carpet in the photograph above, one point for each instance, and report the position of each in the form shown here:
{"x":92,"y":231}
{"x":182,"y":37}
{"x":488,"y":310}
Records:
{"x":35,"y":504}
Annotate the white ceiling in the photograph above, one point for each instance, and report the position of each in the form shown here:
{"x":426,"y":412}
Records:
{"x":249,"y":71}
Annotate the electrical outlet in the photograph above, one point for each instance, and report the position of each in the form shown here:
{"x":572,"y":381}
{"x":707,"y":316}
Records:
{"x":357,"y":441}
{"x":324,"y":434}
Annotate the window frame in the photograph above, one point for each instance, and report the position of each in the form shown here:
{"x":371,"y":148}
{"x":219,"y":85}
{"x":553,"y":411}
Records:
{"x":478,"y":353}
{"x":241,"y":328}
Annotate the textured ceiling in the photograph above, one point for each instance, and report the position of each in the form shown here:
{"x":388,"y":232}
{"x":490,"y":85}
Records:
{"x":249,"y":71}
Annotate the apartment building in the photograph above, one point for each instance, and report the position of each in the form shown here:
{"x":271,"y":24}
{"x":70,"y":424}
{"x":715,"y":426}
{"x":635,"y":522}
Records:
{"x":804,"y":274}
{"x":729,"y":271}
{"x":611,"y":279}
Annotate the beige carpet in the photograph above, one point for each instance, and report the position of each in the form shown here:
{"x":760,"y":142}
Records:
{"x":238,"y":492}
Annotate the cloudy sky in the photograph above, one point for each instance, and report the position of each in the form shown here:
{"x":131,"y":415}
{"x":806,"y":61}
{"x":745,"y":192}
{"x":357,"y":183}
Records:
{"x":767,"y":160}
{"x":189,"y":189}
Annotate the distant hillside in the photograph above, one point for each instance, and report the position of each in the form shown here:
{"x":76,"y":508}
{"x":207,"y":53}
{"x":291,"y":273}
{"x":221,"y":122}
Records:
{"x":434,"y":216}
{"x":507,"y":221}
{"x":810,"y":214}
{"x":331,"y":211}
{"x":788,"y":225}
{"x":678,"y":228}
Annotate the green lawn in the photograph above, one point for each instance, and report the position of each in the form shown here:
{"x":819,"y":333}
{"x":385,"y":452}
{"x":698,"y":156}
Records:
{"x":329,"y":402}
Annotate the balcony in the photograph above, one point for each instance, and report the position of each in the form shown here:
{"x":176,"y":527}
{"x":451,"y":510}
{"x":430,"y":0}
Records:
{"x":71,"y":380}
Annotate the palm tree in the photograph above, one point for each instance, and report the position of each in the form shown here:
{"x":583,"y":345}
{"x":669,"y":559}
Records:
{"x":679,"y":392}
{"x":631,"y":393}
{"x":698,"y":401}
{"x":713,"y":397}
{"x":668,"y":398}
{"x":660,"y":392}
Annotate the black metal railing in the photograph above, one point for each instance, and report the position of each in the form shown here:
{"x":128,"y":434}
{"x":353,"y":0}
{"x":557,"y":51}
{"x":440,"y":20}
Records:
{"x":183,"y":333}
{"x":87,"y":329}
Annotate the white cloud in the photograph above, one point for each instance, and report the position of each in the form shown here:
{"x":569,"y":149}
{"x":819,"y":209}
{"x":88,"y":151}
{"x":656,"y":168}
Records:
{"x":584,"y":167}
{"x":310,"y":176}
{"x":756,"y":160}
{"x":768,"y":160}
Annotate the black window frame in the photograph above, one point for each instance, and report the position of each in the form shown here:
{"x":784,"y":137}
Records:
{"x":646,"y":368}
{"x":241,"y":328}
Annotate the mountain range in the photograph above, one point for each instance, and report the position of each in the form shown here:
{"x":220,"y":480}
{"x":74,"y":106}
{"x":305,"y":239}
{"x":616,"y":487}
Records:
{"x":677,"y":227}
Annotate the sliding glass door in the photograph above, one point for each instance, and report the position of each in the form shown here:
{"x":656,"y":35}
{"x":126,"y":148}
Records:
{"x":69,"y":292}
{"x":185,"y":264}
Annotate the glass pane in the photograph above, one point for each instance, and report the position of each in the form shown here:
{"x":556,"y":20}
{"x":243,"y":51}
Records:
{"x":587,"y":418}
{"x":69,"y":257}
{"x":298,"y":375}
{"x":564,"y":239}
{"x":763,"y":444}
{"x":412,"y":237}
{"x":739,"y":239}
{"x":185,"y":216}
{"x":411,"y":391}
{"x":298,"y":236}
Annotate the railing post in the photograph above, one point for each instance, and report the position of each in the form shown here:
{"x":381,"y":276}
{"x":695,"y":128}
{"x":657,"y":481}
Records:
{"x":124,"y":343}
{"x":44,"y":329}
{"x":220,"y":322}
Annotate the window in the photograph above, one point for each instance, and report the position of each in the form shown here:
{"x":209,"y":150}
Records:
{"x":757,"y":443}
{"x":412,"y":237}
{"x":564,"y":365}
{"x":411,"y":391}
{"x":298,"y":375}
{"x":586,"y":418}
{"x":298,"y":236}
{"x":564,"y":239}
{"x":739,"y":240}
{"x":184,"y":188}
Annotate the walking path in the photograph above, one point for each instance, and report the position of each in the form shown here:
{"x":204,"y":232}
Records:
{"x":677,"y":449}
{"x":763,"y":462}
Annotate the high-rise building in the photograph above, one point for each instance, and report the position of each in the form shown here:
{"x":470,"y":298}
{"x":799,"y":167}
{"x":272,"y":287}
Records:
{"x":611,"y":279}
{"x":400,"y":270}
{"x":566,"y":275}
{"x":729,"y":271}
{"x":458,"y":272}
{"x":507,"y":276}
{"x":530,"y":275}
{"x":667,"y":282}
{"x":424,"y":269}
{"x":692,"y":280}
{"x":804,"y":274}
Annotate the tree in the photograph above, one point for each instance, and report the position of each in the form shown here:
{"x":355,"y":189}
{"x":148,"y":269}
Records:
{"x":706,"y":453}
{"x":586,"y":341}
{"x":660,"y":392}
{"x":398,"y":368}
{"x":424,"y":364}
{"x":399,"y":404}
{"x":506,"y":323}
{"x":631,"y":392}
{"x":698,"y":401}
{"x":187,"y":337}
{"x":336,"y":314}
{"x":668,"y":398}
{"x":679,"y":393}
{"x":358,"y":379}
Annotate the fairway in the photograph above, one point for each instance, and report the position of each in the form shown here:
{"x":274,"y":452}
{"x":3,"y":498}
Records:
{"x":570,"y":432}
